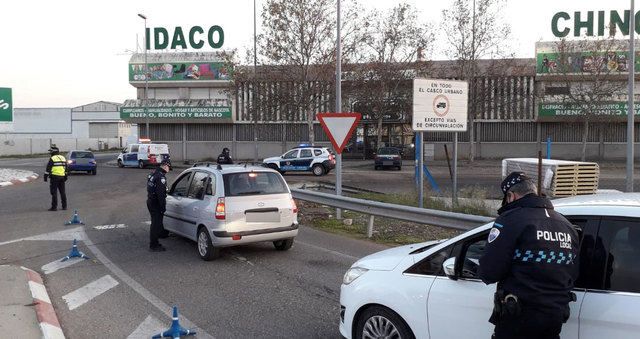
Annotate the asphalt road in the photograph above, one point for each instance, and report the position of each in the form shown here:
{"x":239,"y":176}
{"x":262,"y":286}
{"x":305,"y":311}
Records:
{"x":125,"y":290}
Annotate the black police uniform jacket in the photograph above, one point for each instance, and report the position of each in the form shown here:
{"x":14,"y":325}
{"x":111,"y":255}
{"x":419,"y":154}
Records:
{"x":532,"y":253}
{"x":157,"y":189}
{"x":224,"y":159}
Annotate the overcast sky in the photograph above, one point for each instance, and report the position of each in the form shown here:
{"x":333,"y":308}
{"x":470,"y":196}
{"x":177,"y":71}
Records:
{"x":71,"y":53}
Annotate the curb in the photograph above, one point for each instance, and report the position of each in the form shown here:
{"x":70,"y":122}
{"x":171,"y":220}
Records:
{"x":45,"y":312}
{"x":19,"y":181}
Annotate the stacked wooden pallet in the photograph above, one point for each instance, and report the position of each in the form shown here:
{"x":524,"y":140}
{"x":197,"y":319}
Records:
{"x":560,"y":178}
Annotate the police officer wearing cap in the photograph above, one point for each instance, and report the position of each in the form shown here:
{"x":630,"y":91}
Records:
{"x":531,"y":253}
{"x":57,"y":172}
{"x":224,"y":158}
{"x":157,"y":204}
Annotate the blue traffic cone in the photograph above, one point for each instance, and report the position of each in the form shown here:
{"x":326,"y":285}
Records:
{"x":74,"y":252}
{"x":75,"y":219}
{"x":175,"y":331}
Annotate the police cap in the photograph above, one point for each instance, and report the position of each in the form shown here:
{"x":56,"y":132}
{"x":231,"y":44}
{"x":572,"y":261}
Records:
{"x":510,"y":181}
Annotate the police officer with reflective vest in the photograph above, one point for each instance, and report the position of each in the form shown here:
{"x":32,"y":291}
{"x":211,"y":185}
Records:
{"x":224,"y":158}
{"x":531,"y":253}
{"x":157,"y":204}
{"x":57,"y":172}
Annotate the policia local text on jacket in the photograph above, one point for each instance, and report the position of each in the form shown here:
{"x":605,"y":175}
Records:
{"x":57,"y":172}
{"x":531,"y":253}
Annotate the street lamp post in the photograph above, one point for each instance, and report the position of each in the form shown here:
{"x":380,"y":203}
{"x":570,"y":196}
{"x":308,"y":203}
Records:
{"x":255,"y":80}
{"x":146,"y":75}
{"x":631,"y":109}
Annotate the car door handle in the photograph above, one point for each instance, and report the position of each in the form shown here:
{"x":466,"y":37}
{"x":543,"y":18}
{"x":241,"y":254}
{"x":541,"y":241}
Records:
{"x":195,"y":209}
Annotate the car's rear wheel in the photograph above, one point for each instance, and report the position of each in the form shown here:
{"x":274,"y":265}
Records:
{"x":283,"y":245}
{"x":376,"y":167}
{"x":94,"y":172}
{"x":140,"y":164}
{"x":206,"y":250}
{"x":120,"y":164}
{"x":399,"y":168}
{"x":318,"y":170}
{"x":381,"y":322}
{"x":273,"y":167}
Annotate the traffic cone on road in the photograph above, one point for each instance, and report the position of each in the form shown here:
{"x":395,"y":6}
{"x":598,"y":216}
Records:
{"x":75,"y":219}
{"x":74,"y":252}
{"x":175,"y":331}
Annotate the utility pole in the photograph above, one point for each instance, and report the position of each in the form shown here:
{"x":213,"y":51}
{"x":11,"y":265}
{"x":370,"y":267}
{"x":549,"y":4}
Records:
{"x":631,"y":65}
{"x":255,"y":80}
{"x":146,"y":76}
{"x":338,"y":104}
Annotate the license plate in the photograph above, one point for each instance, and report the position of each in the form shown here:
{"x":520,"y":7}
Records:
{"x":387,"y":163}
{"x":263,"y":217}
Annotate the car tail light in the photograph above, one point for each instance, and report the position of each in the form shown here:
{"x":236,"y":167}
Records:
{"x":220,"y":209}
{"x":294,"y":207}
{"x":236,"y":237}
{"x":71,"y":162}
{"x":92,"y":162}
{"x":331,"y":157}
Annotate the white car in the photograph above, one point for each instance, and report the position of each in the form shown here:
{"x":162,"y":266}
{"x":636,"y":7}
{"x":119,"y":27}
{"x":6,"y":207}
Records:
{"x":304,"y":158}
{"x":430,"y":290}
{"x":232,"y":205}
{"x":143,"y":155}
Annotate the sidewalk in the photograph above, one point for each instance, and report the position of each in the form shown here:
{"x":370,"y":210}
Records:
{"x":25,"y":308}
{"x":10,"y":177}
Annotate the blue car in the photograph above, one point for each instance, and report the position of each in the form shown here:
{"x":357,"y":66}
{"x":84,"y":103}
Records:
{"x":82,"y":161}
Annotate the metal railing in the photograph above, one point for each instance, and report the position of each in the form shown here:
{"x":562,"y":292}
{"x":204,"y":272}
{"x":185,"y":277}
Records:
{"x":453,"y":220}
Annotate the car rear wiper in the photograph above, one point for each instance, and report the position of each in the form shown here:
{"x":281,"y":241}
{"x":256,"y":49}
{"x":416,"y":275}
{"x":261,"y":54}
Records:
{"x":250,"y":192}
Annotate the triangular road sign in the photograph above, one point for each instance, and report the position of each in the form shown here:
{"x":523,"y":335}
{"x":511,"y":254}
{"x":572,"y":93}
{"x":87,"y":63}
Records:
{"x":339,"y":127}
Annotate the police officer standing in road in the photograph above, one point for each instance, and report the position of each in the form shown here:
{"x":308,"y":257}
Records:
{"x":157,"y":203}
{"x":57,"y":172}
{"x":531,"y":253}
{"x":224,"y":158}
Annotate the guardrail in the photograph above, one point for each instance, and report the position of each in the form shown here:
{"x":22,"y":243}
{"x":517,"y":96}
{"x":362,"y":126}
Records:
{"x":458,"y":221}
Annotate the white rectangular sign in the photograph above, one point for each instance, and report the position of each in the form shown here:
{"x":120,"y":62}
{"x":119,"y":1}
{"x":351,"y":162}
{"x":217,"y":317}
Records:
{"x":440,"y":105}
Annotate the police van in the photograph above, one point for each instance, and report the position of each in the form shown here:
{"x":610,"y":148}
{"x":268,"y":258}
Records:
{"x":304,"y":158}
{"x":143,"y":155}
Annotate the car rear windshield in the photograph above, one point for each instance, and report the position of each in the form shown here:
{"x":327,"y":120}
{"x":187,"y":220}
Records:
{"x":82,"y":155}
{"x":389,"y":151}
{"x":253,"y":183}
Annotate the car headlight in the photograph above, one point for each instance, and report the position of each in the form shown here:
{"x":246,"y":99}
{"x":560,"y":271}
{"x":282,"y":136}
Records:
{"x":352,"y":274}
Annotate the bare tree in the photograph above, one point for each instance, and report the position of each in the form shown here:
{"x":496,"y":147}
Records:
{"x":299,"y":35}
{"x":475,"y":30}
{"x":392,"y":54}
{"x":588,"y":78}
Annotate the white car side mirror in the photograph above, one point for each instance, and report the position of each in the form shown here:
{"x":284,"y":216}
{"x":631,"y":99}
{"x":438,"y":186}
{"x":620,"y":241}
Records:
{"x":449,"y":267}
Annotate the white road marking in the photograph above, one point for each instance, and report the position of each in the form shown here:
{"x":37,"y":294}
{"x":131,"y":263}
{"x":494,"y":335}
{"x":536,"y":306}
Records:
{"x":141,"y":290}
{"x":84,"y":294}
{"x":39,"y":292}
{"x":328,"y":250}
{"x":110,"y":227}
{"x":148,"y":222}
{"x":148,"y":328}
{"x":58,"y":265}
{"x":70,"y":234}
{"x":51,"y":332}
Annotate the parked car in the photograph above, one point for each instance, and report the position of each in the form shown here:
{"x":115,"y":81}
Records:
{"x":82,"y":161}
{"x":316,"y":159}
{"x":388,"y":157}
{"x":221,"y":206}
{"x":143,"y":155}
{"x":430,"y":290}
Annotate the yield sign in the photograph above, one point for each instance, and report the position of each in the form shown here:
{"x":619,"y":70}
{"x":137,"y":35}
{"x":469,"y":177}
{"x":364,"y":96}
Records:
{"x":339,"y":127}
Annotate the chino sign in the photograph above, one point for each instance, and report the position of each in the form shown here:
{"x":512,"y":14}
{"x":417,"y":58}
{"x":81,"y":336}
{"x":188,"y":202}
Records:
{"x":194,"y":38}
{"x":181,"y":113}
{"x":6,"y":105}
{"x":600,"y":23}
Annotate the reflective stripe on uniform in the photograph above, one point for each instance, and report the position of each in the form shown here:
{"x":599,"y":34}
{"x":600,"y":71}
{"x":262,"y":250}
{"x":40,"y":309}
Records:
{"x":58,"y":168}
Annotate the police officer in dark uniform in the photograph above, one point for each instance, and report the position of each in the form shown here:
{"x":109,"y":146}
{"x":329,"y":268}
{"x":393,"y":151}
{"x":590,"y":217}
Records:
{"x":224,"y":158}
{"x":157,"y":204}
{"x":531,"y":253}
{"x":57,"y":172}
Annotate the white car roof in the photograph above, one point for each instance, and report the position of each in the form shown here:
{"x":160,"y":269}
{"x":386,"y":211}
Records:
{"x":232,"y":168}
{"x":614,"y":204}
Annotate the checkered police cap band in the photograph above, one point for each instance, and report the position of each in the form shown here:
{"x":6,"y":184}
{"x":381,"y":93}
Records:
{"x":511,"y":180}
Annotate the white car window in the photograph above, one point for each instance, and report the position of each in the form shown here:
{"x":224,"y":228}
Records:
{"x":622,"y":270}
{"x":181,"y":186}
{"x":432,"y":265}
{"x":196,"y":190}
{"x":317,"y":152}
{"x":291,"y":154}
{"x":134,"y":148}
{"x":305,"y":153}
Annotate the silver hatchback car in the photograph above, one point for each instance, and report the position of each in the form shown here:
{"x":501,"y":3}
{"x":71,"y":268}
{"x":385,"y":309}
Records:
{"x":231,"y":205}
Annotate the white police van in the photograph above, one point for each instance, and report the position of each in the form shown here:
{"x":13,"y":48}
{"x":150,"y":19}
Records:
{"x":306,"y":158}
{"x":142,"y":155}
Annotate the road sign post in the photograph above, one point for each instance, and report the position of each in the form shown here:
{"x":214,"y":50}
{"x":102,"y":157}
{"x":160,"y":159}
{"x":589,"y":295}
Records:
{"x":339,"y":127}
{"x":440,"y":106}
